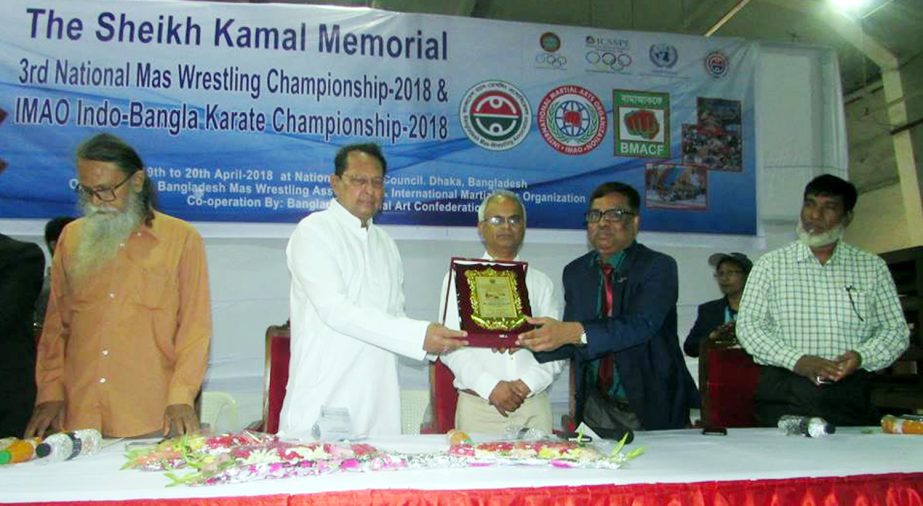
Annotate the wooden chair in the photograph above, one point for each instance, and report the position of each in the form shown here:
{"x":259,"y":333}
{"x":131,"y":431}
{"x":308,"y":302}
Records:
{"x":275,"y":375}
{"x":443,"y":399}
{"x":728,"y":378}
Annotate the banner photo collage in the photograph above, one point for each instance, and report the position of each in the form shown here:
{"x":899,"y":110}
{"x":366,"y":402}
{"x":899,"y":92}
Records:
{"x":238,"y":110}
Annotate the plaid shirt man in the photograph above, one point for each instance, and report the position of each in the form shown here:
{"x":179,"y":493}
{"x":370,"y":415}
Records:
{"x":793,"y":306}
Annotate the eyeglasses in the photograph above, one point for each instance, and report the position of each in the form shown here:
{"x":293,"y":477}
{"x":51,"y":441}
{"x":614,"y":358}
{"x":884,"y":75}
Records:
{"x":727,"y":274}
{"x":514,"y":220}
{"x":361,"y":182}
{"x":103,"y":194}
{"x":619,"y":215}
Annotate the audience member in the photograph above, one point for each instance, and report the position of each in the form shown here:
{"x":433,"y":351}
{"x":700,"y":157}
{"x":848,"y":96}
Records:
{"x":819,"y":314}
{"x":52,"y":231}
{"x":731,"y":270}
{"x":125,"y":342}
{"x":21,"y":265}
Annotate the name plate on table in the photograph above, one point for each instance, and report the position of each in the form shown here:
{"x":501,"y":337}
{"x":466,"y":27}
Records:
{"x":493,"y":300}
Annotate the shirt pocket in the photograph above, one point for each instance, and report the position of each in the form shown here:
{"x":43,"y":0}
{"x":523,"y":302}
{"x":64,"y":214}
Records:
{"x":855,"y":306}
{"x":154,"y":289}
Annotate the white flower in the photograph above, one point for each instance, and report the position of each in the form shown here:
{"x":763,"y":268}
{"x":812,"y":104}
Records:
{"x":260,"y":456}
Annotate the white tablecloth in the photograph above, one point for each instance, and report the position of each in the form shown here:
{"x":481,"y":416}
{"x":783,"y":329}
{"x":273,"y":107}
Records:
{"x":670,"y":457}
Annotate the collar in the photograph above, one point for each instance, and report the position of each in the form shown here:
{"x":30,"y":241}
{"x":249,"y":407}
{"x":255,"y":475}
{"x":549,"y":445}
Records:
{"x":346,"y":218}
{"x":615,"y":260}
{"x":153,"y":231}
{"x":487,"y":256}
{"x":804,"y":253}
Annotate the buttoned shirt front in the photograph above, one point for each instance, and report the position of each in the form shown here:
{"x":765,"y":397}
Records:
{"x":122,"y":343}
{"x":793,"y":305}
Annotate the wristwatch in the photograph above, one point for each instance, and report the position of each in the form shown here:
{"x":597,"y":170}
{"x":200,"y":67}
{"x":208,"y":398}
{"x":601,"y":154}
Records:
{"x":582,"y":339}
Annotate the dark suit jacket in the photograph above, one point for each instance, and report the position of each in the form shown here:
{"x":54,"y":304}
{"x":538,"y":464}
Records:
{"x":22,"y":266}
{"x":641,"y":332}
{"x":710,"y":317}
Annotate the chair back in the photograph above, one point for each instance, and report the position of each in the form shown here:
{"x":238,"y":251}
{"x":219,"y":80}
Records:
{"x":275,"y":375}
{"x":443,"y":399}
{"x":728,"y":378}
{"x":219,"y":411}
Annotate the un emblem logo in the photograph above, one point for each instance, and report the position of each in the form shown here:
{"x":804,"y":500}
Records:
{"x":663,"y":55}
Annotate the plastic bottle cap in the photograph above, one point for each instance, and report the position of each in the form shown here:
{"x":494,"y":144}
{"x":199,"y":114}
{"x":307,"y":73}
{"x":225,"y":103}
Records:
{"x":5,"y":456}
{"x":42,"y":450}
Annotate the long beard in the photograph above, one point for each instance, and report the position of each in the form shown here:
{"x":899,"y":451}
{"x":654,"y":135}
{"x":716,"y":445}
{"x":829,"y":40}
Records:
{"x":104,"y":230}
{"x":817,"y":240}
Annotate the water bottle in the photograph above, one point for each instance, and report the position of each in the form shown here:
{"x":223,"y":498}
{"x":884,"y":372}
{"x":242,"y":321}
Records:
{"x":19,"y":450}
{"x":67,"y":445}
{"x":810,"y":426}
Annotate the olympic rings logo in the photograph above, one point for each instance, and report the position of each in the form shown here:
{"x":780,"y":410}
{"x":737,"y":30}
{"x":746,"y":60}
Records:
{"x":614,"y":61}
{"x":554,"y":60}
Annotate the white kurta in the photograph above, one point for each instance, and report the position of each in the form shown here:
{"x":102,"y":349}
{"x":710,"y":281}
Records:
{"x":347,"y":317}
{"x":480,"y":369}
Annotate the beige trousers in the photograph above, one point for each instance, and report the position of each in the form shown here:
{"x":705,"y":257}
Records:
{"x":476,"y":415}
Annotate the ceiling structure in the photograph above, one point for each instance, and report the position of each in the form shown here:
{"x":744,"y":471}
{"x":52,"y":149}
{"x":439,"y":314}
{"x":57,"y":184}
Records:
{"x":882,"y":30}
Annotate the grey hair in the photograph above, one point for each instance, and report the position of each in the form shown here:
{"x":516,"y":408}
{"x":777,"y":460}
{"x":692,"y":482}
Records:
{"x":497,"y":194}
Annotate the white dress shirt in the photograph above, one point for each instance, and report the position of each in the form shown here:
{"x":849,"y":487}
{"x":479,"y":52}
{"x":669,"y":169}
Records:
{"x":347,"y":316}
{"x":480,"y":369}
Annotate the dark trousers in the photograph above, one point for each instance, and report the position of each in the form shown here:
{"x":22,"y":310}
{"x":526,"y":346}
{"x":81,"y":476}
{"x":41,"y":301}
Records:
{"x":16,"y":411}
{"x":845,"y":402}
{"x":610,"y":418}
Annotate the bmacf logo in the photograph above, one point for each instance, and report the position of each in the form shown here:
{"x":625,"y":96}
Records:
{"x":549,"y":58}
{"x":642,"y":123}
{"x":716,"y":64}
{"x":495,"y":115}
{"x":572,"y":120}
{"x":607,"y":54}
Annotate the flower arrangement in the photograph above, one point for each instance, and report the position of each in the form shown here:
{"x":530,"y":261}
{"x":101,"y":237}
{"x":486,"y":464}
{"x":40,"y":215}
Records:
{"x":543,"y":452}
{"x":195,"y":459}
{"x":230,"y":458}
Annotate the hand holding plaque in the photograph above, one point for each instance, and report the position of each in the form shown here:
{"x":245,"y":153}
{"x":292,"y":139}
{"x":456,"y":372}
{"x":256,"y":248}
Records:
{"x":493,"y":300}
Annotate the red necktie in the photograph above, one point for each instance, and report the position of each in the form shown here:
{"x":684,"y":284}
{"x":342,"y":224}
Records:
{"x":606,"y":363}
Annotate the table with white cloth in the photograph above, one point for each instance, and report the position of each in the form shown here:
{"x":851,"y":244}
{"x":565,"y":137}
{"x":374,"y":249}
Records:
{"x":752,"y":466}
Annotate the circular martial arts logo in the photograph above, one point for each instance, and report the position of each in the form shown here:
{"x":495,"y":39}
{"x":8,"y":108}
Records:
{"x":716,"y":64}
{"x":572,"y":120}
{"x":495,"y":115}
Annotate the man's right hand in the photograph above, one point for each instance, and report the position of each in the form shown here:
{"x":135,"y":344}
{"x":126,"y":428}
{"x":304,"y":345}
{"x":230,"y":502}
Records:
{"x":45,"y":415}
{"x":818,"y":370}
{"x":505,"y":398}
{"x":441,"y":339}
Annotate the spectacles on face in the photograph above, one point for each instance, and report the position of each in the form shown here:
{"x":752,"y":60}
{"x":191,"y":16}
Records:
{"x":618,"y":215}
{"x":375,"y":183}
{"x":103,"y":194}
{"x":727,"y":274}
{"x":514,"y":220}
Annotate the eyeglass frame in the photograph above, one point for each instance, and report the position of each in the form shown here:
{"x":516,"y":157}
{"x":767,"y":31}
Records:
{"x":361,"y":182}
{"x":498,"y":221}
{"x":88,"y":193}
{"x":616,"y":214}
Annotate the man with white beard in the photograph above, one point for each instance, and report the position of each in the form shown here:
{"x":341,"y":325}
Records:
{"x":125,"y":342}
{"x":819,"y":315}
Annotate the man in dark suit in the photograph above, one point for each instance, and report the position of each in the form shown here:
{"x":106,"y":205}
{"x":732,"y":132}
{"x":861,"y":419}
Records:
{"x":620,"y":325}
{"x":731,"y":271}
{"x":22,"y":265}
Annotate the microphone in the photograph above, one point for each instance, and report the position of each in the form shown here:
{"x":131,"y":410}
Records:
{"x":810,"y":426}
